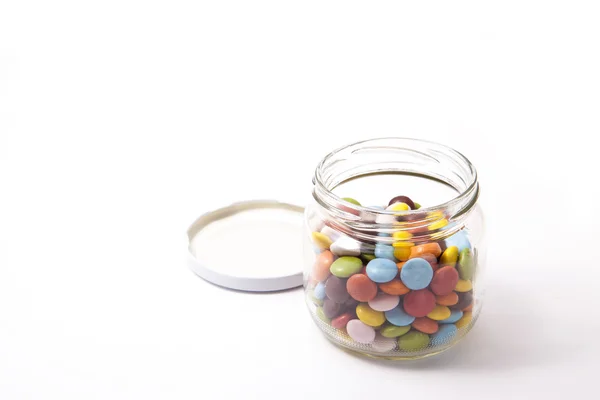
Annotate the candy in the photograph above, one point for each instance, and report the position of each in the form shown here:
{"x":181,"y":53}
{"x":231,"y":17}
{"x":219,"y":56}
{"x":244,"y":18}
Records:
{"x":419,"y":303}
{"x":369,"y":316}
{"x":454,"y":317}
{"x":384,"y":251}
{"x":384,"y":302}
{"x":459,"y":240}
{"x":345,"y":267}
{"x":425,"y":325}
{"x":383,"y":344}
{"x":443,"y":335}
{"x":449,"y":256}
{"x":444,"y":281}
{"x":351,"y":200}
{"x":417,"y":206}
{"x":398,"y":316}
{"x":392,"y":331}
{"x":403,"y":199}
{"x":321,"y":241}
{"x":361,"y":288}
{"x":413,"y":340}
{"x":465,"y":320}
{"x":319,"y":291}
{"x":402,"y":253}
{"x":394,"y":287}
{"x":345,"y":246}
{"x":322,"y":265}
{"x":469,"y":308}
{"x":416,"y":273}
{"x":464,"y":300}
{"x":447,"y":300}
{"x":431,"y":259}
{"x":381,"y":270}
{"x":438,"y":224}
{"x":340,"y":321}
{"x":403,"y":236}
{"x":463,"y":286}
{"x":335,"y":289}
{"x":360,"y":332}
{"x":398,"y":207}
{"x":466,"y":264}
{"x":439,"y":313}
{"x":331,"y":308}
{"x":432,"y":248}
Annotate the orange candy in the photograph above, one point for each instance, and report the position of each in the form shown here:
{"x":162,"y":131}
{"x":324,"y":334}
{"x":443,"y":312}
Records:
{"x":361,"y":288}
{"x":322,"y":264}
{"x":400,"y":265}
{"x":447,"y":300}
{"x":425,"y":325}
{"x":432,"y":248}
{"x":394,"y":287}
{"x":470,"y":308}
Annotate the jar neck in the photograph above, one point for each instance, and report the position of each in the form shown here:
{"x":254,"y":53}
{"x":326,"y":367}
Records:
{"x":397,"y":156}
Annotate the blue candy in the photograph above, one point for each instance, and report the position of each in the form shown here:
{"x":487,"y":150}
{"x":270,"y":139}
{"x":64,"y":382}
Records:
{"x":381,"y":270}
{"x":397,"y":316}
{"x":455,"y":316}
{"x":416,"y":274}
{"x":385,"y":251}
{"x":443,"y":335}
{"x":459,"y":240}
{"x":319,"y":291}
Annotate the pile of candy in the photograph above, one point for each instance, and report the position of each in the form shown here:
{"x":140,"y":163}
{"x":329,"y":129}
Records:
{"x":404,"y":297}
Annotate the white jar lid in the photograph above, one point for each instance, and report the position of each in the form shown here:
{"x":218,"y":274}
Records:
{"x":252,"y":246}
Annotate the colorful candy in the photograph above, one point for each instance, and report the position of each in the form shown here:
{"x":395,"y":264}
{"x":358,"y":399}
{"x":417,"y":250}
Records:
{"x":335,"y":289}
{"x":369,"y":316}
{"x":381,"y":270}
{"x":384,"y":302}
{"x":360,"y":332}
{"x":407,"y":296}
{"x":345,"y":267}
{"x":361,"y":288}
{"x":444,"y":281}
{"x":416,"y":273}
{"x":419,"y":303}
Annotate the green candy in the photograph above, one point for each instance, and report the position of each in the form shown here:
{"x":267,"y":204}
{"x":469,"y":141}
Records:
{"x":367,"y":257}
{"x":413,"y":341}
{"x":466,"y":265}
{"x":417,"y":205}
{"x":351,"y":200}
{"x":321,"y":315}
{"x":344,"y":267}
{"x":392,"y":331}
{"x":315,"y":301}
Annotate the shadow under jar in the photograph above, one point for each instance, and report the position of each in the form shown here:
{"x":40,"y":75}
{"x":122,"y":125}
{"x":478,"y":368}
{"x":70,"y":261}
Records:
{"x":394,"y":248}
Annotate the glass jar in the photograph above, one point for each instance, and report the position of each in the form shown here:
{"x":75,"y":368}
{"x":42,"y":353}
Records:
{"x":386,"y":276}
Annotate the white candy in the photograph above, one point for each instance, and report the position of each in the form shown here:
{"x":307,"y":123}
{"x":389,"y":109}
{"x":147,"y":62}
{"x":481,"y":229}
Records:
{"x":345,"y":246}
{"x":383,"y":344}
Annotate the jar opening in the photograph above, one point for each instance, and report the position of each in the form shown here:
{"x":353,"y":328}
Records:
{"x":401,"y":157}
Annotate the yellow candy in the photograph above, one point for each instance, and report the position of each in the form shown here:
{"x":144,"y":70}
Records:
{"x":399,"y":207}
{"x":465,"y":320}
{"x":463,"y":286}
{"x":403,"y":244}
{"x":402,"y":253}
{"x":435,"y":215}
{"x":450,"y":256}
{"x":438,"y":224}
{"x":402,"y":235}
{"x":439,"y":313}
{"x":321,"y":240}
{"x":369,"y":316}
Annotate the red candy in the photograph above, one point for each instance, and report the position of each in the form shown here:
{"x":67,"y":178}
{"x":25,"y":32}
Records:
{"x":361,"y":288}
{"x":419,"y":303}
{"x":341,"y":321}
{"x":425,"y":325}
{"x":444,"y":280}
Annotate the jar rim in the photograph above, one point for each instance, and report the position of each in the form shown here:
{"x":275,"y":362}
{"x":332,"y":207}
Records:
{"x":462,"y":202}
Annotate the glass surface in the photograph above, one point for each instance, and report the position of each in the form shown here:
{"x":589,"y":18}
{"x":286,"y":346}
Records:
{"x":355,"y":286}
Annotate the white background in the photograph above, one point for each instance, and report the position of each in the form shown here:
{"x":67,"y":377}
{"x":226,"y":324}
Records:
{"x":121,"y":121}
